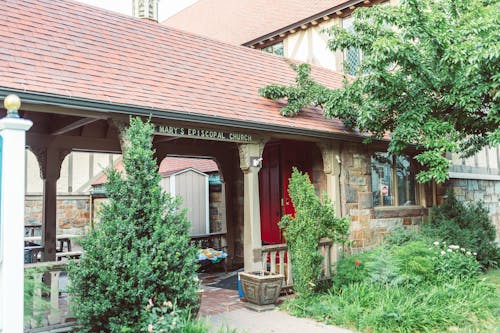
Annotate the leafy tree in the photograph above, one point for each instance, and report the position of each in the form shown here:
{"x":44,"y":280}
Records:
{"x":140,"y":250}
{"x":429,"y":75}
{"x":313,"y":220}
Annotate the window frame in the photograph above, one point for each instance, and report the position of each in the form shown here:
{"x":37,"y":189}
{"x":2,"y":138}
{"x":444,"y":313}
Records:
{"x":271,"y":49}
{"x":395,"y":183}
{"x":345,"y":57}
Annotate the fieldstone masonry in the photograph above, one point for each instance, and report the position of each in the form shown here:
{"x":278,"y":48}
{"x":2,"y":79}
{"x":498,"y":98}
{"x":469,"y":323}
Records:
{"x":73,"y":212}
{"x":470,"y":190}
{"x":216,"y":207}
{"x":369,"y":224}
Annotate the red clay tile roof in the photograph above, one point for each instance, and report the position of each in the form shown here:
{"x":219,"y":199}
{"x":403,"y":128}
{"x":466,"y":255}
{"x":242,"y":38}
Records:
{"x":240,"y":21}
{"x":67,"y":49}
{"x":169,"y":166}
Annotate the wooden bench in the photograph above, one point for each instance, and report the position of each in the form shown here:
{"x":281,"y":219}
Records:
{"x":68,"y":255}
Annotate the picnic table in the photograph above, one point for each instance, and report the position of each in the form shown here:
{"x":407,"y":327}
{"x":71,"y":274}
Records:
{"x":31,"y":230}
{"x":33,"y":248}
{"x":62,"y":239}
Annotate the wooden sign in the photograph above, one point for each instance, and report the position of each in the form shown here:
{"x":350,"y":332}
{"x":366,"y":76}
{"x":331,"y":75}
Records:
{"x":204,"y":134}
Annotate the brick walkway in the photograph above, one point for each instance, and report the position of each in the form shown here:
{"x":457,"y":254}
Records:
{"x":217,"y":300}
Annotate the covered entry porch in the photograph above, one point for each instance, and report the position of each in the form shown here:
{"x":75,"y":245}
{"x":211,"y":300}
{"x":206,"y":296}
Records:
{"x":254,"y":175}
{"x":243,"y":171}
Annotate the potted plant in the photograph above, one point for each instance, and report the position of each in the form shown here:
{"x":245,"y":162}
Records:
{"x":261,"y":288}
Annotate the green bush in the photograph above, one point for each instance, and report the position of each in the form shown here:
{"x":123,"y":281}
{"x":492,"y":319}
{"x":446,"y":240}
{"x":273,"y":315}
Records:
{"x":383,"y":268}
{"x":416,"y":261}
{"x":466,"y":225}
{"x":140,"y":250}
{"x":351,"y":269}
{"x":314,"y":219}
{"x":400,"y":236}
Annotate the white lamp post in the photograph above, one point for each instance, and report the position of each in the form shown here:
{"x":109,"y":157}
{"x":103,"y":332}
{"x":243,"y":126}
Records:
{"x":13,"y":134}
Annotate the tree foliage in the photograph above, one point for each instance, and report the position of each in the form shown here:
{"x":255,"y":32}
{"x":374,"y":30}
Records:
{"x":314,"y":219}
{"x":139,"y":250}
{"x":429,"y":75}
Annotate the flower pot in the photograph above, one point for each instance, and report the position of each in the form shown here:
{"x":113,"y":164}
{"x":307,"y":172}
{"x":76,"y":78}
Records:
{"x":261,"y":288}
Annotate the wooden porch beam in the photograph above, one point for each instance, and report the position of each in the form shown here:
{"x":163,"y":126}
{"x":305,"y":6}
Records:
{"x":74,"y":125}
{"x":111,"y":145}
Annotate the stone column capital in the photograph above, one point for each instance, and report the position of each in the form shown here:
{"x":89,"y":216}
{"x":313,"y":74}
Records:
{"x":331,"y":157}
{"x":121,"y":125}
{"x":247,"y":151}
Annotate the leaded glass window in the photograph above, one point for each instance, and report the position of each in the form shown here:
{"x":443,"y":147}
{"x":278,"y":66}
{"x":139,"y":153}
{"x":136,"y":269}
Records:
{"x":352,"y":56}
{"x":393,"y":180}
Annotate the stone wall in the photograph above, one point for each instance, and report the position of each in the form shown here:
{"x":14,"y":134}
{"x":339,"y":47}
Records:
{"x":235,"y":190}
{"x":369,"y":224}
{"x":470,"y":190}
{"x":73,"y":212}
{"x":217,"y":208}
{"x":318,"y":171}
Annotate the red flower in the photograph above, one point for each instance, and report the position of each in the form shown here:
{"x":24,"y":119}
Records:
{"x":357,"y":263}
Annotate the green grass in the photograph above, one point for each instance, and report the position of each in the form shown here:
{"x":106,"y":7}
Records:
{"x":457,"y":306}
{"x":493,"y":277}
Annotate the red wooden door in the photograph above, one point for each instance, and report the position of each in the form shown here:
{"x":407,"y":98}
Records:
{"x":270,"y":194}
{"x":278,"y":160}
{"x":294,"y":154}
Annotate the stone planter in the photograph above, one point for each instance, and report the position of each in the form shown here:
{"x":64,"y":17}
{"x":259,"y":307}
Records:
{"x":261,"y":288}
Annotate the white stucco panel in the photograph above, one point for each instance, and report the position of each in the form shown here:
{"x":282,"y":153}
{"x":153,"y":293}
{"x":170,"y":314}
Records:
{"x":311,"y":46}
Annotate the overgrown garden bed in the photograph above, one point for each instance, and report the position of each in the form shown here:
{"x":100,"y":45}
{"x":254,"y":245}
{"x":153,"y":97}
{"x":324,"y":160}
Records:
{"x":436,"y":280}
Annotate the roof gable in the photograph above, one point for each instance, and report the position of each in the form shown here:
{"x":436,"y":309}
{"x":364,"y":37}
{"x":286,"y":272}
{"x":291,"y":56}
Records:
{"x":179,"y":172}
{"x":170,"y":165}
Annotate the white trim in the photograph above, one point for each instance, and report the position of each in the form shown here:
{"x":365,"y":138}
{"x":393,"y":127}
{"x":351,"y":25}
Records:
{"x":172,"y":186}
{"x":464,"y":175}
{"x":185,"y":170}
{"x":13,"y":133}
{"x":207,"y":204}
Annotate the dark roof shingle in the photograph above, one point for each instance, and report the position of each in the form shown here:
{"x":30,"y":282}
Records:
{"x":69,"y":49}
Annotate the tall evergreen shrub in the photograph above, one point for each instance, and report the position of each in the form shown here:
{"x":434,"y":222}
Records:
{"x":314,"y":219}
{"x":466,"y":225}
{"x":140,"y":250}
